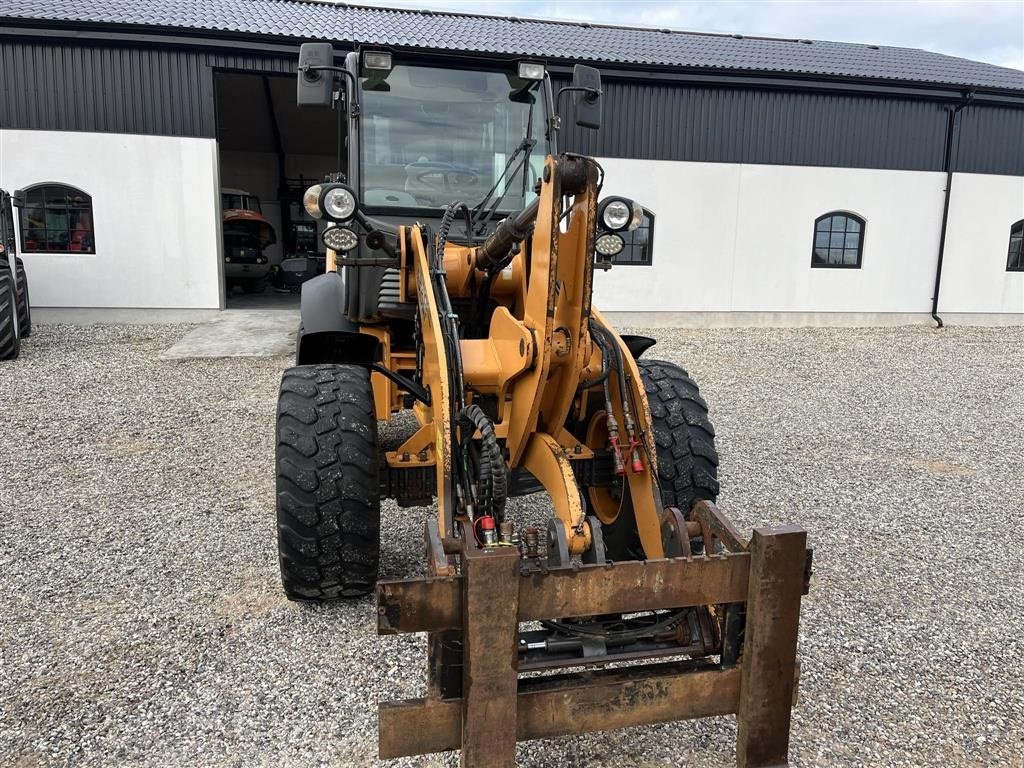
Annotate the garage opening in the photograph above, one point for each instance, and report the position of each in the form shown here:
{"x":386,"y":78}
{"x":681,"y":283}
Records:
{"x":270,"y":152}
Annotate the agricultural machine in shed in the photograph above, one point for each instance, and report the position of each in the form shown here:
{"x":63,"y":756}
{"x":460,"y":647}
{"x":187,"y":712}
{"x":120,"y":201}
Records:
{"x":458,"y":287}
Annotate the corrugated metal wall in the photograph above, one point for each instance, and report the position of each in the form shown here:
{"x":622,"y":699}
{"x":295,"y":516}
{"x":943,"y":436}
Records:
{"x":170,"y":91}
{"x":161,"y":91}
{"x":733,"y":125}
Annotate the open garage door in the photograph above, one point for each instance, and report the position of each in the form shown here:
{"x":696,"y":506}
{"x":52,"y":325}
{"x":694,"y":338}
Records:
{"x":270,"y":152}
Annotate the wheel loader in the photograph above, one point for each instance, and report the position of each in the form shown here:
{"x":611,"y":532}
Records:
{"x":462,"y":247}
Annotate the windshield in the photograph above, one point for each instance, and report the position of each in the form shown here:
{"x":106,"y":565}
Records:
{"x":239,"y":202}
{"x":431,"y":136}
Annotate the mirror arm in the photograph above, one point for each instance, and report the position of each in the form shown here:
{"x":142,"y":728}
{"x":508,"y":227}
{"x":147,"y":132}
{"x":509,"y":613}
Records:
{"x":305,"y":70}
{"x":593,"y":94}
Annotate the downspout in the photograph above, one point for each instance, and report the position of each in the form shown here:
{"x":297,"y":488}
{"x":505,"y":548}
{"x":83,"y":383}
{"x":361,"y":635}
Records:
{"x":947,"y":166}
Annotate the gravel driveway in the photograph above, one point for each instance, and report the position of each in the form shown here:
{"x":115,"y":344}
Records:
{"x":141,"y":621}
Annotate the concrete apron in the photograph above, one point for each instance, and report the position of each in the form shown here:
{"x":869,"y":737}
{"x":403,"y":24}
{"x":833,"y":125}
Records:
{"x":239,"y":333}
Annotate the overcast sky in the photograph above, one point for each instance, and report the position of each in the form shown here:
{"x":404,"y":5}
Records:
{"x":984,"y":30}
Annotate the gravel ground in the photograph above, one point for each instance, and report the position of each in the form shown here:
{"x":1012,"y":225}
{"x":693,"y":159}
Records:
{"x":141,"y":621}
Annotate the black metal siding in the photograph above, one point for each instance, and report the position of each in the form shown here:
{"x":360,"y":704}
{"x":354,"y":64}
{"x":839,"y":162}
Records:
{"x":658,"y":121}
{"x":991,"y":140}
{"x":169,"y":91}
{"x":161,"y":91}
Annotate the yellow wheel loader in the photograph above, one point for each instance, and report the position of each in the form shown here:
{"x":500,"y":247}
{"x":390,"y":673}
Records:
{"x":461,"y":253}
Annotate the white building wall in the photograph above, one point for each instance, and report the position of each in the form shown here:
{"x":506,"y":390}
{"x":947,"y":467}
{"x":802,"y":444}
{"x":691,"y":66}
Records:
{"x":729,"y":238}
{"x":738,"y":238}
{"x":974,"y":278}
{"x":155,"y":214}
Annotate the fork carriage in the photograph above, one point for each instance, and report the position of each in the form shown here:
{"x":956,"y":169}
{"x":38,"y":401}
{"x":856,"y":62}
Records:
{"x":738,"y":603}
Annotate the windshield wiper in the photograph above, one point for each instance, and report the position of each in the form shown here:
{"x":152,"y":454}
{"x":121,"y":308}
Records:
{"x":478,"y":219}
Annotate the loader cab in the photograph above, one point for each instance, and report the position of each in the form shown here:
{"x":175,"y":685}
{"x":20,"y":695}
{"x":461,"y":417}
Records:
{"x":427,"y":135}
{"x":422,"y":134}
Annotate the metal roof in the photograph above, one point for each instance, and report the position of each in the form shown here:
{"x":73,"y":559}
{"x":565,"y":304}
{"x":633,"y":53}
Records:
{"x":553,"y":40}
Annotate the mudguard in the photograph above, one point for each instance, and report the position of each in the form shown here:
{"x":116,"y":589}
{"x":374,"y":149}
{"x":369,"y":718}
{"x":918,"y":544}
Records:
{"x":637,"y":345}
{"x":326,"y":335}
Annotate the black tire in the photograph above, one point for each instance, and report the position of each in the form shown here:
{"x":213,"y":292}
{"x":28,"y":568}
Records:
{"x":685,"y":438}
{"x":24,"y":306}
{"x":257,"y":285}
{"x":10,"y":338}
{"x":328,"y":496}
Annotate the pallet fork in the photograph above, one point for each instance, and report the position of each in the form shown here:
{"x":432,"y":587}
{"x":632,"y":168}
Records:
{"x":481,"y":606}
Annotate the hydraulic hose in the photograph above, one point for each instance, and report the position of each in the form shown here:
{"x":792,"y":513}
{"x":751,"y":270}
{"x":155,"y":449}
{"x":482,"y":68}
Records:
{"x":492,"y":477}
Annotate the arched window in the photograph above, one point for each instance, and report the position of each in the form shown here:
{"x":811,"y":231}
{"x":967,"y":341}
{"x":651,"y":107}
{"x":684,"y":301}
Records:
{"x":838,"y":240}
{"x":57,"y":218}
{"x":1015,"y":255}
{"x":639,"y":250}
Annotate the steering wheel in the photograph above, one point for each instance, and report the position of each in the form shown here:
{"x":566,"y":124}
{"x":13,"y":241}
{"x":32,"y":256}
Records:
{"x":443,"y":176}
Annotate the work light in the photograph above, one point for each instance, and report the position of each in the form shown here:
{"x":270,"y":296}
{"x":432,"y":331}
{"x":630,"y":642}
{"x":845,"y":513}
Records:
{"x":337,"y":202}
{"x":311,"y":202}
{"x":379,"y":60}
{"x":339,"y":239}
{"x":531,"y":70}
{"x":610,"y":244}
{"x":619,"y":213}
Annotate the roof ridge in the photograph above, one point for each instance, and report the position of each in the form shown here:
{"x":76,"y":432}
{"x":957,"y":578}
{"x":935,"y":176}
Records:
{"x":585,"y":24}
{"x":361,"y":22}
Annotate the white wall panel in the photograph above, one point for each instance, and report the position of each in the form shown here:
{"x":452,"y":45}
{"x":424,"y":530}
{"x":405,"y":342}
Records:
{"x":154,"y":212}
{"x":733,"y":237}
{"x":974,"y":278}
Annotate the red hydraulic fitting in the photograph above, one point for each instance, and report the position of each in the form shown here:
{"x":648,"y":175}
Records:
{"x":620,"y":467}
{"x":638,"y":466}
{"x":487,"y":530}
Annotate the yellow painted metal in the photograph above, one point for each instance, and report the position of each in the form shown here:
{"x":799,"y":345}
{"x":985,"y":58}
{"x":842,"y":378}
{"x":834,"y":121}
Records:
{"x":417,"y":451}
{"x":386,"y":398}
{"x":547,"y":461}
{"x":435,"y":377}
{"x":645,"y":495}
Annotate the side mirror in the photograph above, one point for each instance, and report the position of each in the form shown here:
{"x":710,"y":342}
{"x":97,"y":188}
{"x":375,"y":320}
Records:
{"x":316,"y":75}
{"x":588,"y":97}
{"x":18,"y":198}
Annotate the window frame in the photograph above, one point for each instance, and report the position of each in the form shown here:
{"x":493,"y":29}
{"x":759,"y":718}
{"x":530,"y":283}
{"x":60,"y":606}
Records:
{"x":1016,"y":230}
{"x":23,"y":220}
{"x":849,"y":215}
{"x":628,"y":236}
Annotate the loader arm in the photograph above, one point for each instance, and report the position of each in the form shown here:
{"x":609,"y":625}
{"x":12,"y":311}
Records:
{"x":547,"y":321}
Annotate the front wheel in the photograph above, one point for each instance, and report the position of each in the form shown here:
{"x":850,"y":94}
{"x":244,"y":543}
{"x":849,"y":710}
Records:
{"x":683,"y":434}
{"x":328,"y":496}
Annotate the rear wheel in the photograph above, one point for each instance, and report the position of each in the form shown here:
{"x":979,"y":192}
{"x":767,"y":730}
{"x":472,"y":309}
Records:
{"x":23,"y":305}
{"x":10,"y":338}
{"x":328,"y":502}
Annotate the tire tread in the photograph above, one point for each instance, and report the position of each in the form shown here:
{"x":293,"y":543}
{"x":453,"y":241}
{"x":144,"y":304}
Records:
{"x":328,"y":504}
{"x":683,"y":434}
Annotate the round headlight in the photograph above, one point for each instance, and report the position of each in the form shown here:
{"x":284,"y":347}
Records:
{"x":616,"y":214}
{"x":311,"y":202}
{"x":610,"y":244}
{"x":340,"y":239}
{"x":638,"y":215}
{"x":338,"y":202}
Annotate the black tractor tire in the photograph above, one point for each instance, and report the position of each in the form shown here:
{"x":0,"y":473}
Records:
{"x":683,"y":434}
{"x":256,"y":285}
{"x":328,"y":494}
{"x":10,"y":338}
{"x":24,"y":306}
